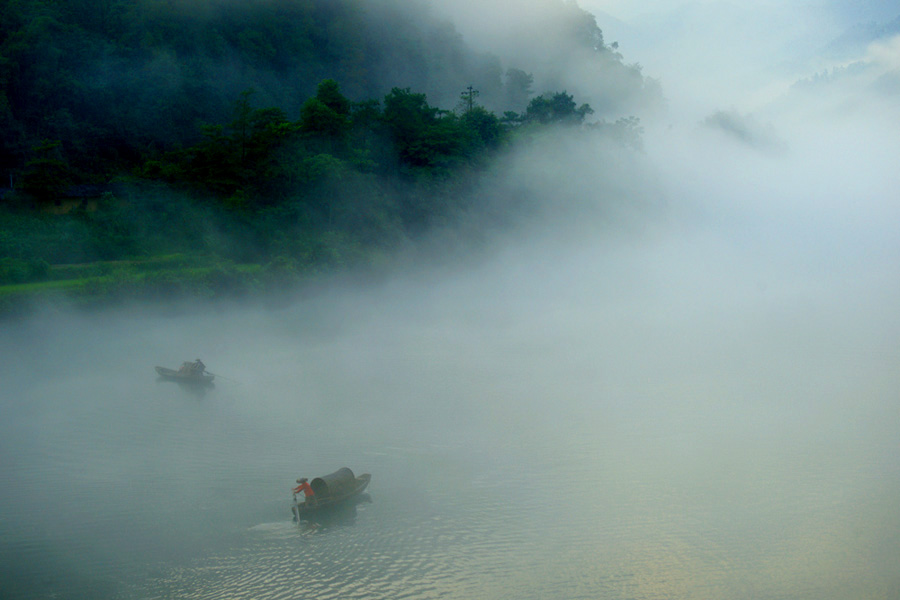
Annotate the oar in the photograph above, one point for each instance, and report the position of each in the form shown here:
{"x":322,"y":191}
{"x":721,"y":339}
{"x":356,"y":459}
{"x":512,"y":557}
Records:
{"x":225,"y":378}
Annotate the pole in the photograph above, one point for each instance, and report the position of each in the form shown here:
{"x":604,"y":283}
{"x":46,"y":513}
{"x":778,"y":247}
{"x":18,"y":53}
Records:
{"x":468,"y":96}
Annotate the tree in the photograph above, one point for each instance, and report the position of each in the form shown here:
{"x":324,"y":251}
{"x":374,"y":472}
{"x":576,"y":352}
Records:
{"x":468,"y":98}
{"x":325,"y":118}
{"x":232,"y":159}
{"x":47,"y":174}
{"x":485,"y":125}
{"x":329,"y":94}
{"x":409,"y":118}
{"x":366,"y":131}
{"x":317,"y":119}
{"x":558,"y":108}
{"x":407,"y":114}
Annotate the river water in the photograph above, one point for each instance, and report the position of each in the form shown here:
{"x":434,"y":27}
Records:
{"x":597,"y":431}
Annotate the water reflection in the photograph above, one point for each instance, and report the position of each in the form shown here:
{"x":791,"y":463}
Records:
{"x":198,"y":389}
{"x":330,"y":517}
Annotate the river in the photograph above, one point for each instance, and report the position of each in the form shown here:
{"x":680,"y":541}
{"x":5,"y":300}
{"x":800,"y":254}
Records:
{"x":609,"y":429}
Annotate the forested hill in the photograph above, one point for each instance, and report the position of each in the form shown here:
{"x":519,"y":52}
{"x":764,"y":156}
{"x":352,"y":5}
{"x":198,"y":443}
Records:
{"x":313,"y":127}
{"x":110,"y":78}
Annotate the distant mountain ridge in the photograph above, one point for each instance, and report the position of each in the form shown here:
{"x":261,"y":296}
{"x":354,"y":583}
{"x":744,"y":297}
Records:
{"x":855,"y":40}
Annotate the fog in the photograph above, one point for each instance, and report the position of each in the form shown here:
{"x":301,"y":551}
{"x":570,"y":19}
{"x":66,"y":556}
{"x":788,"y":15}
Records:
{"x":693,"y":345}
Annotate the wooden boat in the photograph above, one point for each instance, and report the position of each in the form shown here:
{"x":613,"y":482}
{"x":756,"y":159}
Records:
{"x":185,"y":377}
{"x":331,"y":490}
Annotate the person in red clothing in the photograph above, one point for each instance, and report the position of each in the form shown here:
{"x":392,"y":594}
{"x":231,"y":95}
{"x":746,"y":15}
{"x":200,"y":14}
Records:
{"x":308,"y":492}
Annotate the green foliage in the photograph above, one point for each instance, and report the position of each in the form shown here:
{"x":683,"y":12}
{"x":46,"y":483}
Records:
{"x":317,"y":118}
{"x":319,"y":193}
{"x":329,"y":94}
{"x":48,"y":174}
{"x":281,"y":272}
{"x":231,"y":161}
{"x":15,"y":270}
{"x":558,"y":108}
{"x":325,"y":120}
{"x":485,"y":125}
{"x":232,"y":152}
{"x":114,"y":79}
{"x":424,"y":137}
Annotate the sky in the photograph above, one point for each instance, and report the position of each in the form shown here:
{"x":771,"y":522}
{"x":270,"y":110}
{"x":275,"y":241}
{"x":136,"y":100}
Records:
{"x":707,"y":55}
{"x":626,"y":10}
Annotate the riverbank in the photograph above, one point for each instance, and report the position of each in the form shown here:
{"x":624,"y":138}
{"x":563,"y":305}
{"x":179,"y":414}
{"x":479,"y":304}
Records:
{"x":164,"y":280}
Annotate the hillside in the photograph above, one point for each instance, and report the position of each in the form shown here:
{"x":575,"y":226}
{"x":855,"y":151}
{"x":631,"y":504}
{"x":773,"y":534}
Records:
{"x":295,"y":136}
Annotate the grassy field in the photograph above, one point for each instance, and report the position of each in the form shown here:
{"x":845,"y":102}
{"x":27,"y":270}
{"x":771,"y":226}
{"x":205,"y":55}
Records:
{"x":163,"y":278}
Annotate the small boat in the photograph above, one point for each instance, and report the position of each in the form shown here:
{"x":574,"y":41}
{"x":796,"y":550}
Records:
{"x":332,"y":490}
{"x":186,"y":376}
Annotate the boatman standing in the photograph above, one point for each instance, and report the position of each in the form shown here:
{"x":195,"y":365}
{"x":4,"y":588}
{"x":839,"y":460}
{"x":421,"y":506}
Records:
{"x":309,"y":494}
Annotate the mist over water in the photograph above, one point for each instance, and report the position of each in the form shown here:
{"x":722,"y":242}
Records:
{"x":679,"y":381}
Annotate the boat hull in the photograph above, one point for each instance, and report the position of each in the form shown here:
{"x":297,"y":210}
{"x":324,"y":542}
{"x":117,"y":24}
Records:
{"x":173,"y":375}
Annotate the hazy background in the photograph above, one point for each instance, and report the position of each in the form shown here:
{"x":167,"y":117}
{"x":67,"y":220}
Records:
{"x":677,"y":378}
